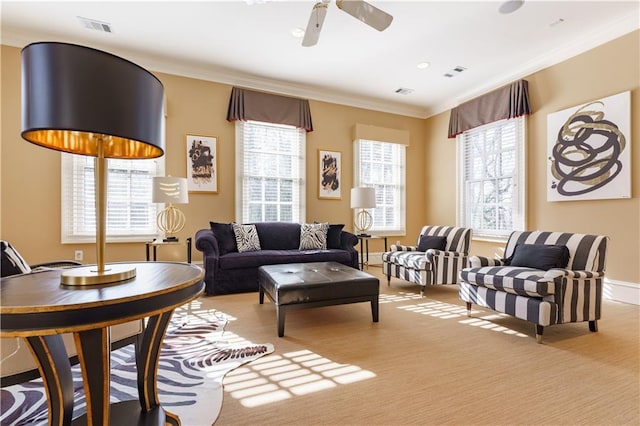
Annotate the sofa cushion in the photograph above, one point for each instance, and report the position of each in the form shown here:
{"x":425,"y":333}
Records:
{"x":255,"y":259}
{"x":246,"y":237}
{"x":431,"y":242}
{"x":408,"y":259}
{"x":313,"y":236}
{"x":333,"y":236}
{"x":225,"y":236}
{"x":510,"y":279}
{"x":278,"y":235}
{"x":539,"y":256}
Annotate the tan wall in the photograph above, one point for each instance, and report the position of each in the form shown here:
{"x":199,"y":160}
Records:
{"x":30,"y":175}
{"x":606,"y":70}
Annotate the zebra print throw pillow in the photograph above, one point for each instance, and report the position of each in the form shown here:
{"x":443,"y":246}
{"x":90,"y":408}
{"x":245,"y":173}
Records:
{"x":12,"y":262}
{"x":313,"y":236}
{"x":246,"y":237}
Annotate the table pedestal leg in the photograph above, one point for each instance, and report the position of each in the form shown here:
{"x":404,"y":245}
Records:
{"x":53,"y":363}
{"x":94,"y":353}
{"x":147,"y":359}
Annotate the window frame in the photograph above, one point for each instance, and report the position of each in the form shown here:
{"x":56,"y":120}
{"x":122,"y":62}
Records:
{"x":298,"y":200}
{"x":70,"y":230}
{"x":518,"y":214}
{"x":399,"y":227}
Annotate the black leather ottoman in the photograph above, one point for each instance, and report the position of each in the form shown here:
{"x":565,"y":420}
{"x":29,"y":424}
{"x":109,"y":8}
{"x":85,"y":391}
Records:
{"x":310,"y":285}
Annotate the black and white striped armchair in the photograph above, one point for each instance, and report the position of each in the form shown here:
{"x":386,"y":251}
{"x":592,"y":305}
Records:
{"x":429,"y":266}
{"x":546,"y":278}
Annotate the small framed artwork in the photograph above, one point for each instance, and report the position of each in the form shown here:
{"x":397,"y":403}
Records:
{"x":330,"y":174}
{"x":202,"y":163}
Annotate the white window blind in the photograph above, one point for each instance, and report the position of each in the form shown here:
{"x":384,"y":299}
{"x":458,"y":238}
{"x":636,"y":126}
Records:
{"x":131,"y":216}
{"x":382,"y":165}
{"x":491,"y":178}
{"x":270,"y":170}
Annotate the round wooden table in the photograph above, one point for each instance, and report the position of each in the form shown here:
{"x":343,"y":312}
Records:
{"x":37,"y":307}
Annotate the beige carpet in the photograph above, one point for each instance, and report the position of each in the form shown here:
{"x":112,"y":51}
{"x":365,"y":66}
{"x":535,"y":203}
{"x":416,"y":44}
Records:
{"x":426,"y":363}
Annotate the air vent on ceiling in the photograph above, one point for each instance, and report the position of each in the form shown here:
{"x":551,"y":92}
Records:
{"x":457,"y":70}
{"x":404,"y":91}
{"x":92,"y":24}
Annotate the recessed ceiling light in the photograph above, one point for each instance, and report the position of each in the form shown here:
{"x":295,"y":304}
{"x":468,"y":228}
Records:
{"x":510,"y":6}
{"x":423,"y":65}
{"x":297,"y":32}
{"x":403,"y":90}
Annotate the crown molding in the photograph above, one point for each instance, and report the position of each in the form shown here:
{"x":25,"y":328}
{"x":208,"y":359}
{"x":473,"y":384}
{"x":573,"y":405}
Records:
{"x":562,"y":53}
{"x":229,"y":76}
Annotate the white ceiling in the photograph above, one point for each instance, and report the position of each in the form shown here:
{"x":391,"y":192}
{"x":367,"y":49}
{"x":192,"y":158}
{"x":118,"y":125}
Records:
{"x":249,"y":44}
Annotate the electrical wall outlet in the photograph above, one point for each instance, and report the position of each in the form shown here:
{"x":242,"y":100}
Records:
{"x":79,"y":255}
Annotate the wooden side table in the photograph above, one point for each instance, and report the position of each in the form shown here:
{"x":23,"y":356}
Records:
{"x":156,"y":243}
{"x":365,"y":239}
{"x":38,"y":308}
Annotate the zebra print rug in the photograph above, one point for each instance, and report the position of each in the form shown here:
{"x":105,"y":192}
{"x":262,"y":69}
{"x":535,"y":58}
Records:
{"x":196,"y":354}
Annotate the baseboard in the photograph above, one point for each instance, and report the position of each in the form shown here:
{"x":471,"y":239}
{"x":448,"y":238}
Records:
{"x":620,"y":291}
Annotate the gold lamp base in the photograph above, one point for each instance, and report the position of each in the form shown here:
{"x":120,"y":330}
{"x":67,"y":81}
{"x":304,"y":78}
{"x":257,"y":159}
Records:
{"x":363,"y":222}
{"x":89,"y":275}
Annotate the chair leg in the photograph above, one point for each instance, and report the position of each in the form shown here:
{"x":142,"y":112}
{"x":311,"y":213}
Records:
{"x":388,"y":280}
{"x":539,"y":331}
{"x":469,"y":309}
{"x":593,"y":326}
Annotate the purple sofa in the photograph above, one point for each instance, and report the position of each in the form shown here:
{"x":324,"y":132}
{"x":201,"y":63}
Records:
{"x":228,"y":271}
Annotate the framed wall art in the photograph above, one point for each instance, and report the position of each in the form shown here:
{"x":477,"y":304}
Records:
{"x":330,"y":174}
{"x":202,"y":163}
{"x":589,"y":150}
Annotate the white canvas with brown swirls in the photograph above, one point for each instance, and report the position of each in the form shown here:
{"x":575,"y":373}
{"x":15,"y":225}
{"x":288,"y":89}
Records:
{"x":589,"y":150}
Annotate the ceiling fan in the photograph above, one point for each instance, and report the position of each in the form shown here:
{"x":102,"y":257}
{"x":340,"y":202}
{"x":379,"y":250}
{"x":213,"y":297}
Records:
{"x":359,"y":9}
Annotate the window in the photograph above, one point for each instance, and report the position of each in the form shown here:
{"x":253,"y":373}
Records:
{"x":382,"y":165}
{"x":270,"y":170}
{"x":491,"y":173}
{"x":131,"y":216}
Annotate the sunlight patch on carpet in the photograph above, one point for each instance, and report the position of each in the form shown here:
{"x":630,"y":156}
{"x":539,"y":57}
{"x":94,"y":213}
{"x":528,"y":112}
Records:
{"x":444,"y":310}
{"x":399,"y":297}
{"x":275,"y":378}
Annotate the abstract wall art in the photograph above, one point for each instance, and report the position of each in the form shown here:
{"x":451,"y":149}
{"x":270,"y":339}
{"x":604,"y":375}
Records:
{"x":202,"y":163}
{"x":589,"y":150}
{"x":330,"y":174}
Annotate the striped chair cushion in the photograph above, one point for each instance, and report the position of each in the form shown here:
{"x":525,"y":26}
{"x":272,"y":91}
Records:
{"x":408,"y":259}
{"x":511,"y":279}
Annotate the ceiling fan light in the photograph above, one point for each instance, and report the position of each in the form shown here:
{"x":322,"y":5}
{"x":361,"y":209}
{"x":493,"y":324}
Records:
{"x":297,"y":32}
{"x":510,"y":6}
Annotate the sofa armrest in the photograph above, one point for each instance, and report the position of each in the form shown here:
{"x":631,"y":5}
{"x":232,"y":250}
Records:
{"x":348,"y":241}
{"x":478,"y":261}
{"x":207,"y":243}
{"x":431,"y":254}
{"x":572,"y":275}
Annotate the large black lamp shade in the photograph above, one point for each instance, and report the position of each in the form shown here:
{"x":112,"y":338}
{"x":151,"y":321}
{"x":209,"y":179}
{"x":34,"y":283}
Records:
{"x":85,"y":101}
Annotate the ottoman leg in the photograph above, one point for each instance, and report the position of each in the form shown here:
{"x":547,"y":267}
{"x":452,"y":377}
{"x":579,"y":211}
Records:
{"x":280,"y":314}
{"x":374,"y":308}
{"x":261,"y":296}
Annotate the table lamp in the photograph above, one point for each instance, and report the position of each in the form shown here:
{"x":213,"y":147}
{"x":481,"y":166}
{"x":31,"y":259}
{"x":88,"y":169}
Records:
{"x":85,"y":101}
{"x":363,"y":198}
{"x":170,"y":190}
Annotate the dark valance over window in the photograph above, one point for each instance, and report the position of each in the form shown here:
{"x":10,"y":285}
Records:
{"x":247,"y":105}
{"x":506,"y":102}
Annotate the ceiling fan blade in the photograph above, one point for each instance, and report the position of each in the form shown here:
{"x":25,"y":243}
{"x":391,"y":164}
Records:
{"x":367,"y":13}
{"x":312,"y":33}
